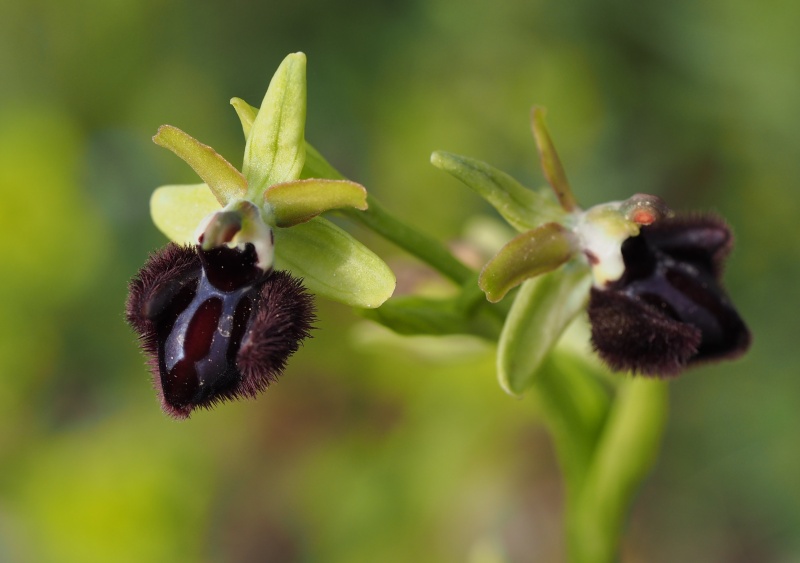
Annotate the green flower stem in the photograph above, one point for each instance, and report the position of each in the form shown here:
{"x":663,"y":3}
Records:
{"x":426,"y":248}
{"x":575,"y":406}
{"x":606,"y":438}
{"x":606,"y":441}
{"x":623,"y":455}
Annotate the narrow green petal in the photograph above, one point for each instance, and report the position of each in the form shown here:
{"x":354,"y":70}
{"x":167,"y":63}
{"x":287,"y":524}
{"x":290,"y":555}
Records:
{"x":333,"y":264}
{"x":551,"y":164}
{"x":296,"y":202}
{"x":528,"y":255}
{"x":225,"y":181}
{"x":524,"y":209}
{"x":178,"y":210}
{"x":247,"y":114}
{"x":275,"y":149}
{"x":541,"y":311}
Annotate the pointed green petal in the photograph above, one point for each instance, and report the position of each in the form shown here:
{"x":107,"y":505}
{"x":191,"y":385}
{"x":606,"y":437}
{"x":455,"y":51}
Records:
{"x":247,"y":114}
{"x":528,"y":255}
{"x":541,"y":311}
{"x":551,"y":164}
{"x":296,"y":202}
{"x":177,"y":210}
{"x":275,"y":149}
{"x":333,"y":264}
{"x":225,"y":181}
{"x":524,"y":209}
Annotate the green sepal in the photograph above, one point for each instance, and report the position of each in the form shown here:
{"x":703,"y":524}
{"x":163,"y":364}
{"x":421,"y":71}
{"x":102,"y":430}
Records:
{"x":528,"y":255}
{"x":542,"y":309}
{"x":524,"y":209}
{"x":177,"y":210}
{"x":315,"y":165}
{"x":333,"y":264}
{"x":296,"y":202}
{"x":275,"y":149}
{"x":551,"y":164}
{"x":224,"y":180}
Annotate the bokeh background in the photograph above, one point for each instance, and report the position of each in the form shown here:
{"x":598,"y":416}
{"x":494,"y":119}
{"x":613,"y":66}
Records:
{"x":373,"y":448}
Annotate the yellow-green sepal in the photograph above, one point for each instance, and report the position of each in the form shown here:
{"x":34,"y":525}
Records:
{"x":315,"y":165}
{"x":178,"y":210}
{"x":542,"y":310}
{"x":275,"y":149}
{"x":224,"y":180}
{"x":333,"y":264}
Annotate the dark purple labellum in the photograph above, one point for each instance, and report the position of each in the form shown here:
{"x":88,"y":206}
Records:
{"x":668,"y":310}
{"x":214,"y":325}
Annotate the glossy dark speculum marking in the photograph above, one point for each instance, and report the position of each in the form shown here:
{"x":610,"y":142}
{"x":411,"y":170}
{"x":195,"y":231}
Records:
{"x":206,"y":321}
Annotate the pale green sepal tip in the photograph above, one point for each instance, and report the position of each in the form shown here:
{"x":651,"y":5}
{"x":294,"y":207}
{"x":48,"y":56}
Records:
{"x":275,"y":149}
{"x":292,"y":203}
{"x":247,"y":114}
{"x":528,"y":255}
{"x":541,"y":312}
{"x":551,"y":164}
{"x":333,"y":264}
{"x":177,"y":210}
{"x":224,"y":180}
{"x":524,"y":209}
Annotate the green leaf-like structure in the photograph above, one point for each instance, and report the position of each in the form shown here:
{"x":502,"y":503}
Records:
{"x":275,"y":149}
{"x":541,"y":311}
{"x":524,"y":209}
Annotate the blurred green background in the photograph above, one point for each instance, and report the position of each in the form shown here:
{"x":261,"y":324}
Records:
{"x":369,"y":448}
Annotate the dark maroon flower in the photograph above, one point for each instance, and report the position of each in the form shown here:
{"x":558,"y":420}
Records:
{"x":214,"y":325}
{"x":668,"y":310}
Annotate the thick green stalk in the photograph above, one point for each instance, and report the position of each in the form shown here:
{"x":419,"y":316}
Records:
{"x":424,"y":247}
{"x":622,"y":457}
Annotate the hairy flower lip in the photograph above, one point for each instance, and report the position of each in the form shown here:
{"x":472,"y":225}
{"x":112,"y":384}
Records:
{"x":668,"y":310}
{"x":213,"y":325}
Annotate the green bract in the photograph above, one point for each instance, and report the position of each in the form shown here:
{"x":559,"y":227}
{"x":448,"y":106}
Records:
{"x":541,"y":312}
{"x":330,"y":261}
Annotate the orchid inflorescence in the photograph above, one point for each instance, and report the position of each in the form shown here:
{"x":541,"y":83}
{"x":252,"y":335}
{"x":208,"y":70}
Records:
{"x":221,"y":308}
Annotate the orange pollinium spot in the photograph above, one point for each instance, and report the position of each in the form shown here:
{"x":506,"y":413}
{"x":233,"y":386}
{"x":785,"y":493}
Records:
{"x":644,"y":217}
